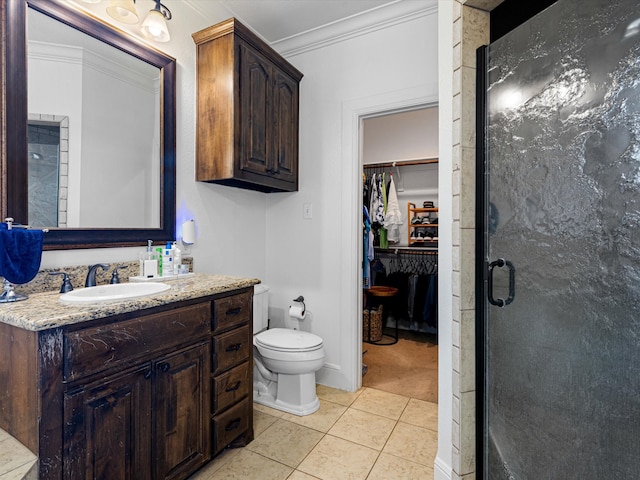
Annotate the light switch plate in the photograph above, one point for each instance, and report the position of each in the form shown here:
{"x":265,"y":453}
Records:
{"x":307,"y":211}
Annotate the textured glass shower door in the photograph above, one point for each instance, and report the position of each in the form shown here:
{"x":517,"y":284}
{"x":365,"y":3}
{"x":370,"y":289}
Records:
{"x":562,"y":359}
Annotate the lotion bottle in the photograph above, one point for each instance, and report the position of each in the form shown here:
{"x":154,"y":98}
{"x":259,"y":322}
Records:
{"x":167,"y":260}
{"x":159,"y":259}
{"x":177,"y":258}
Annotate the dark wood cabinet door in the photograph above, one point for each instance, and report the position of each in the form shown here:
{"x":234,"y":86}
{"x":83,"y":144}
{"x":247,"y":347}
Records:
{"x":255,"y":113}
{"x":181,"y":411}
{"x":285,"y":135}
{"x":107,"y":428}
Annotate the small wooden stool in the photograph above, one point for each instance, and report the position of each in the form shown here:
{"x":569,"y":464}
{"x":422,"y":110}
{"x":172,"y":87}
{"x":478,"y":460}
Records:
{"x":382,"y":293}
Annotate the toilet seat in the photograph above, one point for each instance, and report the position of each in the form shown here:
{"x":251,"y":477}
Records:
{"x":286,"y":340}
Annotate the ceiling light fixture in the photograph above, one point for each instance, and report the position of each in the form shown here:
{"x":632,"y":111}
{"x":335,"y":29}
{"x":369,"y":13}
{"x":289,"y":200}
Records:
{"x":124,"y":11}
{"x":155,"y":24}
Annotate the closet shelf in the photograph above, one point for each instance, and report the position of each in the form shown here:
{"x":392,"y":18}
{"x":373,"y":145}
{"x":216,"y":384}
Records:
{"x":421,"y":233}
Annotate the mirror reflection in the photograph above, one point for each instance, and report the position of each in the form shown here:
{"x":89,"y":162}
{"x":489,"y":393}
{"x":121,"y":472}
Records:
{"x":94,"y":132}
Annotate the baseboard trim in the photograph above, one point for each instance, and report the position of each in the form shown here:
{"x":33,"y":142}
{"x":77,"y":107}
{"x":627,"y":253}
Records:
{"x":333,"y":376}
{"x":441,"y":471}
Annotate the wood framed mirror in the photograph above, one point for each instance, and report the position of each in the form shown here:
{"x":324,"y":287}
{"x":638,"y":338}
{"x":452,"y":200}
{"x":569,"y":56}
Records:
{"x":106,"y":187}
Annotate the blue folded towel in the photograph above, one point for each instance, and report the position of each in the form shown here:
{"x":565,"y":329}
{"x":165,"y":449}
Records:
{"x":20,"y":253}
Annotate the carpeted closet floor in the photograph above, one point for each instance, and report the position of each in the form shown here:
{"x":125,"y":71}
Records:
{"x":409,"y":368}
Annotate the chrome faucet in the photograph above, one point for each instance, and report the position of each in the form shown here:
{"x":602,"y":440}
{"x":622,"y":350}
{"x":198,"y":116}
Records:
{"x":91,"y":274}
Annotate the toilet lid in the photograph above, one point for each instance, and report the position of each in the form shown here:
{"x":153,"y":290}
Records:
{"x":285,"y":339}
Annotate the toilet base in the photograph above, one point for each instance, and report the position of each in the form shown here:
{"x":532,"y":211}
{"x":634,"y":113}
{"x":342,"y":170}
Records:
{"x":294,"y":394}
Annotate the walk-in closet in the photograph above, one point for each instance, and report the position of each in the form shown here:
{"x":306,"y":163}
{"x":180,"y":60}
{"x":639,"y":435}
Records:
{"x":400,"y":253}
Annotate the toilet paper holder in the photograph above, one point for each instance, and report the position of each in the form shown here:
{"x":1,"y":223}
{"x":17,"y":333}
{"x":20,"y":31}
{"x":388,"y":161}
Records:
{"x":300,"y":299}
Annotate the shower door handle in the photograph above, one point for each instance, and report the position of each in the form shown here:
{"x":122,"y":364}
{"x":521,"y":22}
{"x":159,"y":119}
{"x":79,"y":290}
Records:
{"x":501,"y":262}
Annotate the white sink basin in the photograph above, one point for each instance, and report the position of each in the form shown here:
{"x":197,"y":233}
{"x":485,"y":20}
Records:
{"x":113,"y":292}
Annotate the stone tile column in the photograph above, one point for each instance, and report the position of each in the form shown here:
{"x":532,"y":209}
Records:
{"x":470,"y":30}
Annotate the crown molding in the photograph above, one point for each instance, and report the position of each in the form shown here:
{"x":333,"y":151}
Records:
{"x":87,"y":58}
{"x":379,"y":18}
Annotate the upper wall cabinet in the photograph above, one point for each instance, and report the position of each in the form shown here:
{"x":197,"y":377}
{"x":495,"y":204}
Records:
{"x":247,"y":111}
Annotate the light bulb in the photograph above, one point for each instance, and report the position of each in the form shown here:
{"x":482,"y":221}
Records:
{"x":155,"y":26}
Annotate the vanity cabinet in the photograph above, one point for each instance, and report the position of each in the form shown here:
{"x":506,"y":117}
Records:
{"x":148,"y":394}
{"x":146,"y":418}
{"x":247,"y":111}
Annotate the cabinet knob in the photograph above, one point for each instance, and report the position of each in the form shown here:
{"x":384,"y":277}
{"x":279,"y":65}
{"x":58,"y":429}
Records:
{"x":165,"y":367}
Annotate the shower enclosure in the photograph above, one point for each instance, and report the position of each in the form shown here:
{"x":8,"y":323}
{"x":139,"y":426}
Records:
{"x":43,"y":165}
{"x":559,"y":269}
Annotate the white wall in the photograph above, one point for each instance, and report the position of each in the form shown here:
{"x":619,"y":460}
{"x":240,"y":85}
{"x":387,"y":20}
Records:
{"x":114,"y":172}
{"x":319,"y":258}
{"x":401,"y":136}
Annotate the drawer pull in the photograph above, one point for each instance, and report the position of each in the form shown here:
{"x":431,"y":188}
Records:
{"x":233,"y":425}
{"x":234,"y":311}
{"x":235,"y":387}
{"x":234,"y":348}
{"x":147,"y":374}
{"x":165,"y":367}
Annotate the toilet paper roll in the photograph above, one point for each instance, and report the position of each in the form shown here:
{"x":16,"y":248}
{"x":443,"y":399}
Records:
{"x":297,"y":311}
{"x":189,"y":231}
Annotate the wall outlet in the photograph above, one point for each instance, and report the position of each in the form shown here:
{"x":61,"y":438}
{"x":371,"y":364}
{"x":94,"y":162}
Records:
{"x":307,"y":210}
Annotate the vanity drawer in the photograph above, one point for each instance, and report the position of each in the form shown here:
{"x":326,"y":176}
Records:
{"x":99,"y":348}
{"x":230,"y":387}
{"x":231,"y":311}
{"x":230,"y":349}
{"x":230,"y":425}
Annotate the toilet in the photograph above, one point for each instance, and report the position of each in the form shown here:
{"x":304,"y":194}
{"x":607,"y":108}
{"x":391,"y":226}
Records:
{"x":285,"y":362}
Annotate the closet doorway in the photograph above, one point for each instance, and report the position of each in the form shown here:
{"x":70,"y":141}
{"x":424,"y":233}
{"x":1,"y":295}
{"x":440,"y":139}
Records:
{"x":399,"y":155}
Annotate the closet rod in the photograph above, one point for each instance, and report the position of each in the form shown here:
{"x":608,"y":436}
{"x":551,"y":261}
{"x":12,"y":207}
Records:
{"x":405,"y":251}
{"x":399,"y":163}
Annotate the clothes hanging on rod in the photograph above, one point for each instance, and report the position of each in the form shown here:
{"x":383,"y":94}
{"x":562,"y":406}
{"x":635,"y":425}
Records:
{"x":378,"y":198}
{"x":414,"y":274}
{"x":380,"y":195}
{"x":393,"y":214}
{"x":367,"y":248}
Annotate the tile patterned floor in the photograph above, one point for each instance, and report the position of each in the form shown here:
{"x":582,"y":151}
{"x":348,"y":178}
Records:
{"x":366,"y":435}
{"x":16,"y":461}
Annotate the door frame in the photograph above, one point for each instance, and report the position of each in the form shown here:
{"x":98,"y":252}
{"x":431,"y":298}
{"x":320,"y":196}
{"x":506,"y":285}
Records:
{"x":353,"y":113}
{"x":481,"y":262}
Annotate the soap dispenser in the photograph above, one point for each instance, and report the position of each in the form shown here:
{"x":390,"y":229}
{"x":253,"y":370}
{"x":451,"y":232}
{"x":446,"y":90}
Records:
{"x":148,"y":262}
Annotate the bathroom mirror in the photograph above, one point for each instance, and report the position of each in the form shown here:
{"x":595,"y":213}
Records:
{"x":102,"y":171}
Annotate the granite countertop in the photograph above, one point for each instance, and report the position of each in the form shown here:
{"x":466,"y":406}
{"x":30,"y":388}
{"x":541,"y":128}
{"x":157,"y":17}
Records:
{"x":42,"y":311}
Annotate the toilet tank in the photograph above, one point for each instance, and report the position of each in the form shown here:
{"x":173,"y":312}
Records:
{"x":260,"y":307}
